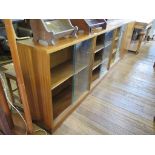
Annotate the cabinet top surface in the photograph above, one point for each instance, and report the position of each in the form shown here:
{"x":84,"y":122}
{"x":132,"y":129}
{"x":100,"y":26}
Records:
{"x":63,"y":43}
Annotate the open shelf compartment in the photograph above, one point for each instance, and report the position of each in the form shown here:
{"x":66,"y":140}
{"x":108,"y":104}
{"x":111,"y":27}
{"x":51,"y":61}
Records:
{"x":62,"y":97}
{"x":96,"y":73}
{"x":99,"y":42}
{"x":97,"y":59}
{"x":61,"y":66}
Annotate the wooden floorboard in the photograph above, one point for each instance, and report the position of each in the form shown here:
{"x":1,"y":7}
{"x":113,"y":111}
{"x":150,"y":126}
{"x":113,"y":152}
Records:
{"x":123,"y":103}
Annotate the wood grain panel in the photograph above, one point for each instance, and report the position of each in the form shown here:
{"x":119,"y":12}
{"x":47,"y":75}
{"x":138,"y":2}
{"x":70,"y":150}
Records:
{"x":43,"y":84}
{"x":25,"y":54}
{"x":36,"y":67}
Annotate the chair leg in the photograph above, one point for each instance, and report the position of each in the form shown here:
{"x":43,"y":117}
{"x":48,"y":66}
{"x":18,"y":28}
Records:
{"x":6,"y":121}
{"x":19,"y":93}
{"x":10,"y":89}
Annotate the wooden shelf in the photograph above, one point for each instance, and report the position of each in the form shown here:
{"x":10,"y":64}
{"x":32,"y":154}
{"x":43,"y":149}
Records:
{"x":97,"y":63}
{"x":98,"y":48}
{"x":61,"y":73}
{"x":96,"y":73}
{"x":66,"y":112}
{"x":80,"y":67}
{"x":108,"y":43}
{"x":97,"y":59}
{"x":99,"y":42}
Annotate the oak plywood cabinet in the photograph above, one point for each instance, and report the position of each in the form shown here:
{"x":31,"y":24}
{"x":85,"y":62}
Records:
{"x":107,"y":52}
{"x":58,"y":78}
{"x":117,"y":41}
{"x":135,"y":34}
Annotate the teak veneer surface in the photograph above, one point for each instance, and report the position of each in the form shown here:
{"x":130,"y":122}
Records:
{"x":63,"y":43}
{"x":41,"y":76}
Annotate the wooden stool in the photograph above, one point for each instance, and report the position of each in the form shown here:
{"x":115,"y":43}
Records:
{"x":11,"y":75}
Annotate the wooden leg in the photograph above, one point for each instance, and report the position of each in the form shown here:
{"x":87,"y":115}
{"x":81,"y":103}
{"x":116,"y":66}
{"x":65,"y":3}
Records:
{"x":10,"y":89}
{"x":5,"y":107}
{"x":154,"y":65}
{"x":19,"y":93}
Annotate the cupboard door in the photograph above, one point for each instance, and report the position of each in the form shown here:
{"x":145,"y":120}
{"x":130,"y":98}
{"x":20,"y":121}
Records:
{"x":82,"y":57}
{"x":81,"y":84}
{"x":118,"y":49}
{"x":108,"y":38}
{"x":106,"y":51}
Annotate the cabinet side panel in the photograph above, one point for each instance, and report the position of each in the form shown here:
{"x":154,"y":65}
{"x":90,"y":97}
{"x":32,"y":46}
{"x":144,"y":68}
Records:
{"x":129,"y":34}
{"x":43,"y":86}
{"x":25,"y":55}
{"x":112,"y":46}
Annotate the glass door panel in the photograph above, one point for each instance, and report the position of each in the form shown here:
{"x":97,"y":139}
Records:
{"x":82,"y":56}
{"x":82,"y":53}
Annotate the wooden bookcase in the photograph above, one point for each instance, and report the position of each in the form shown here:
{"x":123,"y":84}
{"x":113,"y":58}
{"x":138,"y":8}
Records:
{"x":58,"y":78}
{"x":106,"y":53}
{"x":137,"y":35}
{"x":117,"y":41}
